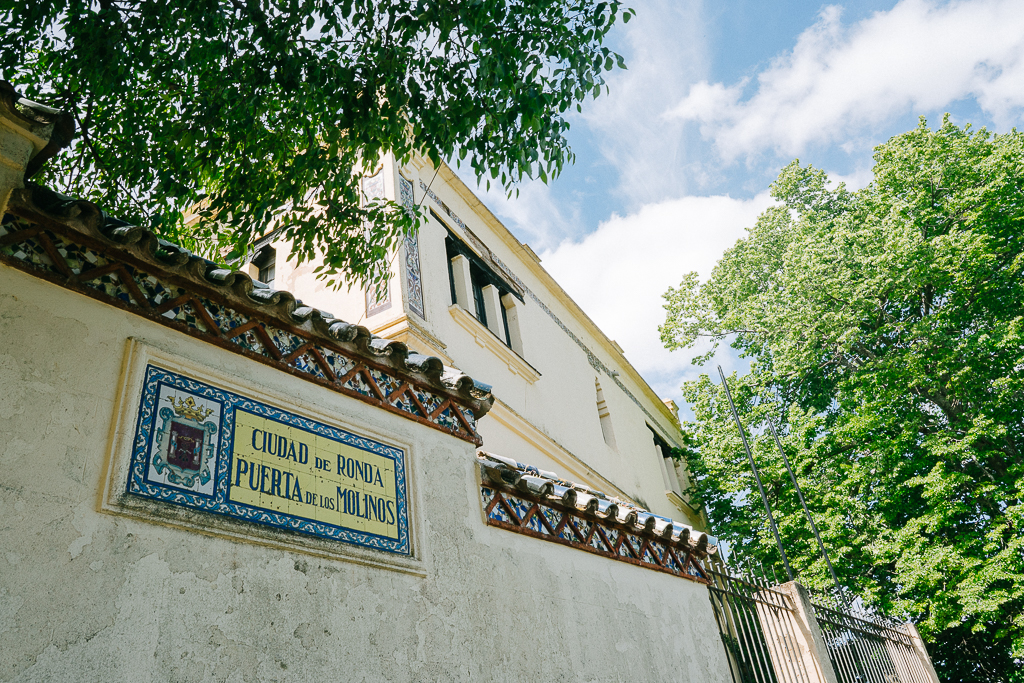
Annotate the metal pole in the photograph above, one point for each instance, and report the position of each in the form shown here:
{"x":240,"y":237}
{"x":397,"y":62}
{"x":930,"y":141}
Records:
{"x":800,"y":495}
{"x":757,"y":477}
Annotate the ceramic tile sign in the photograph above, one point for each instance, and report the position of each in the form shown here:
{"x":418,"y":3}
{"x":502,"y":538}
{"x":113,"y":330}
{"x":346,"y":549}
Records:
{"x":210,"y":449}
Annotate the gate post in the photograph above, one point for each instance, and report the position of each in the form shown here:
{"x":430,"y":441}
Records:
{"x":922,"y":652}
{"x":811,"y":643}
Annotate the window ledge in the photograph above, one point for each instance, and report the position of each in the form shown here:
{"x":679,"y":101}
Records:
{"x":487,"y":339}
{"x":681,"y":503}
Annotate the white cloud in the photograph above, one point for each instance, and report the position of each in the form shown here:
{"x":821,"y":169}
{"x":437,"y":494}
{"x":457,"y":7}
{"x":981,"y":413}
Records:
{"x":916,"y":58}
{"x":665,"y":52}
{"x":618,"y":273}
{"x":624,"y":129}
{"x":857,"y":180}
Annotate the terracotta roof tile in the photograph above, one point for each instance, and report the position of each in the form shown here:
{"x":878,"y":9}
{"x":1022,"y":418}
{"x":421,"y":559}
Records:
{"x":87,"y":219}
{"x":505,"y":471}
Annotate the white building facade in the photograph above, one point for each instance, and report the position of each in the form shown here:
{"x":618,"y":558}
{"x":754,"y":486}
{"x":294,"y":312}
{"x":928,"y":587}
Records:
{"x":464,"y":289}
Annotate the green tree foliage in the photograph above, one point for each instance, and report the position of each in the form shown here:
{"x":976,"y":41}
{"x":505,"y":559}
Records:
{"x":270,"y":110}
{"x":885,"y":334}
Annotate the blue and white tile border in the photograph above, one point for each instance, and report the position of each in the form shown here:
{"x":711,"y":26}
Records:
{"x":413,"y":277}
{"x":139,"y":483}
{"x":127,"y":491}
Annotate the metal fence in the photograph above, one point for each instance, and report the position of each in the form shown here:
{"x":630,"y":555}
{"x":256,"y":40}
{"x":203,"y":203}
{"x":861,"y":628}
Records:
{"x":866,"y":646}
{"x":758,"y":628}
{"x":769,"y":639}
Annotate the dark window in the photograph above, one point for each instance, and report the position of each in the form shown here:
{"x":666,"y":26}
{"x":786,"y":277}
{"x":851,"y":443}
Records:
{"x":479,"y":282}
{"x":480,"y":275}
{"x":266,"y":261}
{"x":666,"y":452}
{"x":451,"y":275}
{"x":504,"y":322}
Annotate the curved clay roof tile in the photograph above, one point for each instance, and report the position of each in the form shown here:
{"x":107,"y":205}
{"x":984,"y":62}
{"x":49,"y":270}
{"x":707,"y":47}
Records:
{"x":503,"y":470}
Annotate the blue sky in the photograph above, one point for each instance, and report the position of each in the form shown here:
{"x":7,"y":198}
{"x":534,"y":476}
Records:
{"x":675,"y":162}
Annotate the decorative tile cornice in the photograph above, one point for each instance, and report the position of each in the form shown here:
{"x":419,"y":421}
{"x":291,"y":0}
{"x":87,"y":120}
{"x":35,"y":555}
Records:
{"x":72,"y":244}
{"x":413,"y":277}
{"x":528,"y":501}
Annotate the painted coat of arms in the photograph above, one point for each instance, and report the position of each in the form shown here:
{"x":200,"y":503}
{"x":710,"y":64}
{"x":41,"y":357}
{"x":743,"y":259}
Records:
{"x":193,"y":440}
{"x":185,"y":443}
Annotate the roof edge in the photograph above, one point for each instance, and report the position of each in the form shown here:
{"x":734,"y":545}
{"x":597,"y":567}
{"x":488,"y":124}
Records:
{"x":533,"y":263}
{"x":238,"y":287}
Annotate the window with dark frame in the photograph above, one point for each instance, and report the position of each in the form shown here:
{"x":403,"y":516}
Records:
{"x":480,"y":276}
{"x":666,"y":451}
{"x":479,"y":281}
{"x":265,"y":261}
{"x":663,"y":449}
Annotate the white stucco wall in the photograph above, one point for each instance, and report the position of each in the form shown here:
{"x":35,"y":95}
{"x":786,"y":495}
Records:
{"x":89,"y":596}
{"x":562,"y":403}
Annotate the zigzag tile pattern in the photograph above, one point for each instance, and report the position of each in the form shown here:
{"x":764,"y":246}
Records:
{"x":308,"y":343}
{"x":567,"y":515}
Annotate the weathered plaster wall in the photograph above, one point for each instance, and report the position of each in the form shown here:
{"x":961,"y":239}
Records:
{"x":87,"y":596}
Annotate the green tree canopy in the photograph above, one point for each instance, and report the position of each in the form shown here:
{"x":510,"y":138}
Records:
{"x":885,"y":333}
{"x":269,"y":110}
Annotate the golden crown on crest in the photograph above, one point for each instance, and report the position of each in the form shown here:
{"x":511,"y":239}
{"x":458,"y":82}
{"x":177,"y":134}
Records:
{"x":188,"y":409}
